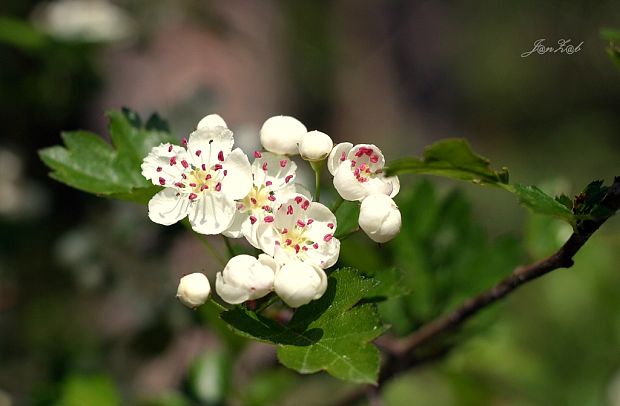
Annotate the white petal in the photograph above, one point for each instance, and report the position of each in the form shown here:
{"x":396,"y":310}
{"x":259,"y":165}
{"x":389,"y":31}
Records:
{"x":167,"y":208}
{"x":234,"y":230}
{"x":230,"y":293}
{"x":274,"y":168}
{"x":395,"y":182}
{"x":164,"y":162}
{"x":335,"y":157}
{"x":377,"y":185}
{"x":207,"y":145}
{"x":326,"y":255}
{"x":267,"y":237}
{"x":347,"y":185}
{"x":250,"y":231}
{"x":238,"y":180}
{"x":211,"y":213}
{"x":268,"y":261}
{"x":212,"y":120}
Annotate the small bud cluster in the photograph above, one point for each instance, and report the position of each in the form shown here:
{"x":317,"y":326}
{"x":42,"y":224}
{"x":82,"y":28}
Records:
{"x":221,"y":192}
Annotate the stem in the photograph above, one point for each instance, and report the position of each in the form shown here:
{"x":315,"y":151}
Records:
{"x":268,"y":303}
{"x":337,"y":204}
{"x":317,"y":166}
{"x":229,"y":247}
{"x":205,"y":241}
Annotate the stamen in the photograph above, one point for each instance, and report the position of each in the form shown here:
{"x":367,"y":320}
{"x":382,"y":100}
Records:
{"x":328,"y":237}
{"x":217,"y":167}
{"x":330,"y":225}
{"x":198,"y":152}
{"x":343,"y":156}
{"x":268,"y":219}
{"x":301,"y":223}
{"x":204,"y":167}
{"x":264,"y":166}
{"x":192,"y":196}
{"x":162,"y":181}
{"x":184,"y":163}
{"x":169,"y":148}
{"x":289,"y":210}
{"x":310,"y":221}
{"x":298,"y":199}
{"x":283,"y":163}
{"x":159,"y":169}
{"x":220,"y":156}
{"x":218,"y":187}
{"x":305,"y":205}
{"x":271,"y":198}
{"x":173,"y":161}
{"x":268,"y":183}
{"x":288,"y":178}
{"x":184,"y":142}
{"x":374,"y":159}
{"x":252,"y":219}
{"x":257,"y":154}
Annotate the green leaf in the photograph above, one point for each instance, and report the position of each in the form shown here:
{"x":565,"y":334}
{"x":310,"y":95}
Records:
{"x":331,"y":334}
{"x":97,"y":390}
{"x":451,"y":158}
{"x":541,"y":203}
{"x":392,"y":284}
{"x":347,"y":216}
{"x":613,"y":49}
{"x":89,"y":163}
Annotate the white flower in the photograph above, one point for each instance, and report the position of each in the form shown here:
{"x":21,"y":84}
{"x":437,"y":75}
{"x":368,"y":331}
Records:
{"x":300,"y":230}
{"x":297,"y":283}
{"x":84,"y":20}
{"x":379,"y":218}
{"x":201,"y":181}
{"x":358,"y":171}
{"x":194,"y":290}
{"x":315,"y":146}
{"x":281,"y":134}
{"x":273,"y":179}
{"x":212,"y":120}
{"x":246,"y":278}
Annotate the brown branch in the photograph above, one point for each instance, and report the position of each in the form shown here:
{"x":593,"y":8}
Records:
{"x":399,"y":353}
{"x":563,"y":258}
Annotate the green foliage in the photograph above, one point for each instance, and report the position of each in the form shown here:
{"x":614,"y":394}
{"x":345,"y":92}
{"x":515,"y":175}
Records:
{"x":331,"y":334}
{"x":540,"y":202}
{"x":452,"y":158}
{"x":443,"y":255}
{"x":347,"y":215}
{"x":88,"y":163}
{"x":97,"y":390}
{"x":613,"y":47}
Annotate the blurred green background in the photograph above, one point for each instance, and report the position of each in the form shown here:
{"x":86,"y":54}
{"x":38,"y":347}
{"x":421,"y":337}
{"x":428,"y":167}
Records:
{"x":87,"y":308}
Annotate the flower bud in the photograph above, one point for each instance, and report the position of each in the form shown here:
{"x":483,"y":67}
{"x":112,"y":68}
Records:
{"x":297,"y":283}
{"x":212,"y":120}
{"x":281,"y":134}
{"x":246,"y":278}
{"x":194,"y":290}
{"x":379,"y":217}
{"x":315,"y":146}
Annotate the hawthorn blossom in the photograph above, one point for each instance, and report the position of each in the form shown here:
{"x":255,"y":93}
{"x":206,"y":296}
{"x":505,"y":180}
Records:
{"x":273,"y":180}
{"x":300,"y":230}
{"x":297,"y":283}
{"x":201,"y":180}
{"x":358,"y":172}
{"x":193,"y":290}
{"x":281,"y":134}
{"x":315,"y":146}
{"x":379,"y":218}
{"x":246,"y":278}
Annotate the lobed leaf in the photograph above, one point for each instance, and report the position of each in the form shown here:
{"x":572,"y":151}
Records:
{"x":452,"y":158}
{"x":540,"y":202}
{"x":348,"y":216}
{"x":87,"y":162}
{"x":331,"y":334}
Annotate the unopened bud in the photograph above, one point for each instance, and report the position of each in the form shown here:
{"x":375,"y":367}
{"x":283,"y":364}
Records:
{"x":194,"y":290}
{"x":246,"y":278}
{"x":212,"y":120}
{"x":298,"y":283}
{"x":379,"y":217}
{"x":281,"y":134}
{"x":315,"y":146}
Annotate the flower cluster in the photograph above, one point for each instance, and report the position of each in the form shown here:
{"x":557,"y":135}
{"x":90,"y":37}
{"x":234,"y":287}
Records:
{"x":220,"y":192}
